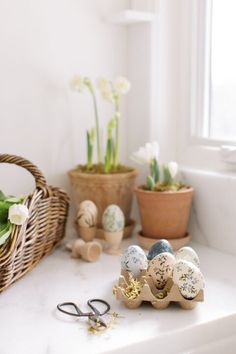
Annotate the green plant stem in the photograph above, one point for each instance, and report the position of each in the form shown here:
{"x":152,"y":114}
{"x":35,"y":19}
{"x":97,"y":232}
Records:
{"x":97,"y":127}
{"x":87,"y":82}
{"x":117,"y":114}
{"x":90,"y":143}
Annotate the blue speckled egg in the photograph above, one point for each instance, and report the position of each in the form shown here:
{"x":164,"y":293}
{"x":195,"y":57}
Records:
{"x":113,"y":219}
{"x":159,"y":247}
{"x":134,"y":260}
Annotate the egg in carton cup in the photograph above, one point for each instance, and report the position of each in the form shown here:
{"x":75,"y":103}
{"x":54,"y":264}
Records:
{"x":161,"y":278}
{"x":147,"y":291}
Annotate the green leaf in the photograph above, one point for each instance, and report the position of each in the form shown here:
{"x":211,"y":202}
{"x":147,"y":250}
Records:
{"x":155,"y":170}
{"x":150,"y":183}
{"x":92,"y":136}
{"x":2,"y":196}
{"x":109,"y":154}
{"x":5,"y":233}
{"x":4,"y":207}
{"x":110,"y":126}
{"x":14,"y":200}
{"x":168,"y":180}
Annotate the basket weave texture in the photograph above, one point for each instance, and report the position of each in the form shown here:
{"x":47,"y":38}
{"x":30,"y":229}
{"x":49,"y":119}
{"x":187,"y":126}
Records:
{"x":48,"y":209}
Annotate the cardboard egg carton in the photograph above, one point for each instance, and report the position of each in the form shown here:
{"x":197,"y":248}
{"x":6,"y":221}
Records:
{"x":160,"y":299}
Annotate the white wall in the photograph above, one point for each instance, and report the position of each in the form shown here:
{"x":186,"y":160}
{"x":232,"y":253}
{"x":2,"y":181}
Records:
{"x":42,"y":44}
{"x":153,"y":65}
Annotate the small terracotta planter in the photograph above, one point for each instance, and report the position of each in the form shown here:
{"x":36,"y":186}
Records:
{"x":164,"y":214}
{"x":104,"y":189}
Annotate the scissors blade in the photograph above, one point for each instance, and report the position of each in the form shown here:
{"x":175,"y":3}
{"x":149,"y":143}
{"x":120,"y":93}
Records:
{"x":96,"y":321}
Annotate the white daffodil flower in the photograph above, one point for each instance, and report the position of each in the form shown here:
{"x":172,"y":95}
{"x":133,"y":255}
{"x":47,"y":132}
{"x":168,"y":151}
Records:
{"x":173,"y":168}
{"x":18,"y":214}
{"x":77,"y":83}
{"x":105,"y":88}
{"x":146,"y":153}
{"x":107,"y":94}
{"x":103,"y":83}
{"x":121,"y":85}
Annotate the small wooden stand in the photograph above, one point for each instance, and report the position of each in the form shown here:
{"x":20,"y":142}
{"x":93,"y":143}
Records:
{"x":150,"y":293}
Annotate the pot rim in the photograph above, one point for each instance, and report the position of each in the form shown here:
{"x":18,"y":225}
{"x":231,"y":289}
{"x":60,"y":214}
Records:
{"x":139,"y":189}
{"x":73,"y":172}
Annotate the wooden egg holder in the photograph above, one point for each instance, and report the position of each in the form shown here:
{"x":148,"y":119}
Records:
{"x":149,"y":293}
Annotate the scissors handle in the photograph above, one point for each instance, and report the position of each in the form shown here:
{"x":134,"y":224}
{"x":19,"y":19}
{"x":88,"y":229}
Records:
{"x":95,"y":310}
{"x":78,"y":312}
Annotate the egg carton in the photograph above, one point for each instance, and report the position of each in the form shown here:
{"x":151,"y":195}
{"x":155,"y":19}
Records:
{"x":150,"y":293}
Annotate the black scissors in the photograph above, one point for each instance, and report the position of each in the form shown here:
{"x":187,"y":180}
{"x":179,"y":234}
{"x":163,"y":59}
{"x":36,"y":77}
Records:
{"x":94,"y":316}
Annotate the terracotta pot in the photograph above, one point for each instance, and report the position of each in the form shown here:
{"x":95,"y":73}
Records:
{"x":104,"y":189}
{"x":164,"y":214}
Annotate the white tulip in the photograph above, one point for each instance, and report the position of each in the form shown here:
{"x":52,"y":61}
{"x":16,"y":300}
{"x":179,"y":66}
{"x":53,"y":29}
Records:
{"x":146,"y":153}
{"x":173,"y":168}
{"x":122,"y":85}
{"x":77,"y":83}
{"x":18,"y":214}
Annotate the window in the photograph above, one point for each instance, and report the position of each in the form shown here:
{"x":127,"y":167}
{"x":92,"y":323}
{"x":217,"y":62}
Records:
{"x":214,"y":96}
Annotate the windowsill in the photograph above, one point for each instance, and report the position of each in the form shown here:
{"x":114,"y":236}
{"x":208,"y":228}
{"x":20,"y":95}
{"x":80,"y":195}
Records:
{"x":213,"y":212}
{"x":28,"y":309}
{"x":132,"y":17}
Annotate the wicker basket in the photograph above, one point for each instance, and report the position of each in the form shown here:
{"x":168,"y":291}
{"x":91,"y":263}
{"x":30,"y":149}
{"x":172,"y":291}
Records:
{"x":45,"y":228}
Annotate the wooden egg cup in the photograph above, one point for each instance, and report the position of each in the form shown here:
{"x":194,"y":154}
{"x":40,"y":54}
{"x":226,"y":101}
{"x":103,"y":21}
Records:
{"x":87,"y":233}
{"x":150,"y":293}
{"x":88,"y":251}
{"x":113,"y":240}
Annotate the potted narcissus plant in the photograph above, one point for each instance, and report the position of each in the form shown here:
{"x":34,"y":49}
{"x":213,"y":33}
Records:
{"x":104,"y":180}
{"x":164,"y":203}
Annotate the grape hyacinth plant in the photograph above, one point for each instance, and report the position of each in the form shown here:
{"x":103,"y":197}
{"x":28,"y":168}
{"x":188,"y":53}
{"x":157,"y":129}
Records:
{"x":110,"y":91}
{"x":161,"y":178}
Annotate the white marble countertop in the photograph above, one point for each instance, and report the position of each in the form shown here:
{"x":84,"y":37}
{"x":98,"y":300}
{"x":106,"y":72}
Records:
{"x":30,"y":323}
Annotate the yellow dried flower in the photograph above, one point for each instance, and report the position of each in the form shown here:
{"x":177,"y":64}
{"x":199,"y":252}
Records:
{"x":99,"y":328}
{"x":133,"y":290}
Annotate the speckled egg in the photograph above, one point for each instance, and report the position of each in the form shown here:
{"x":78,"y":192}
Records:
{"x":134,"y":260}
{"x":159,"y":247}
{"x":187,"y":254}
{"x":113,"y":218}
{"x":189,"y":279}
{"x":87,"y":214}
{"x":160,"y":268}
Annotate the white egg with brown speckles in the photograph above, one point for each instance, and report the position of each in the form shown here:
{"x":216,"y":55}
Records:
{"x":87,"y":214}
{"x":160,"y":268}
